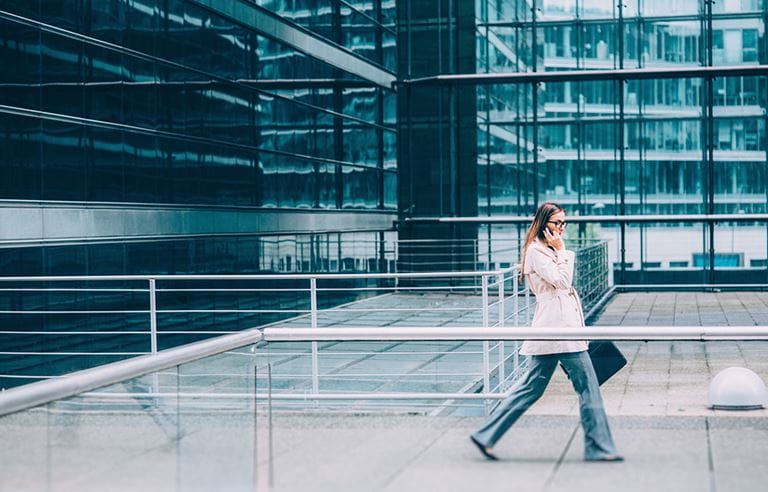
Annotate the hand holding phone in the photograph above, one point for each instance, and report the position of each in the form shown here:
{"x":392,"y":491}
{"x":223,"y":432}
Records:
{"x":553,"y":239}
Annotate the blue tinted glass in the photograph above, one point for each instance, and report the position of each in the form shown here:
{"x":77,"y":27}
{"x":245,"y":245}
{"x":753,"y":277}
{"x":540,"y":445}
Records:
{"x":144,"y":169}
{"x":107,"y":21}
{"x":142,"y":23}
{"x":21,"y":49}
{"x":226,"y":177}
{"x":105,"y":164}
{"x":361,"y":187}
{"x":359,"y":33}
{"x":62,"y":59}
{"x":287,"y":182}
{"x":185,"y":160}
{"x":20,"y":152}
{"x":64,"y":157}
{"x":98,"y":82}
{"x":390,"y":191}
{"x":361,"y":145}
{"x":67,"y":14}
{"x":326,"y":183}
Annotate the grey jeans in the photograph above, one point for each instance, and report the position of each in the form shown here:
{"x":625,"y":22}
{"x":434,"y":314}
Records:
{"x":598,"y":441}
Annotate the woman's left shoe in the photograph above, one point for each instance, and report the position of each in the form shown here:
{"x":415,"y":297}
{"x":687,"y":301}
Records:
{"x":483,"y":449}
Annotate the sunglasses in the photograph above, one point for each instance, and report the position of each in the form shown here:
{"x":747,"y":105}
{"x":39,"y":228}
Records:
{"x":559,"y":223}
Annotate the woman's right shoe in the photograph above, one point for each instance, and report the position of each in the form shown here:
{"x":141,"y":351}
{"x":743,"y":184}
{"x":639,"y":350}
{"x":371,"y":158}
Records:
{"x":483,"y":449}
{"x":606,"y":457}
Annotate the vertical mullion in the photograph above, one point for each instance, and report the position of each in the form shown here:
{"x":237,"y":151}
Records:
{"x":488,"y":90}
{"x":535,"y":109}
{"x":620,"y":33}
{"x":338,"y":106}
{"x":622,"y":174}
{"x":377,"y":14}
{"x":709,"y":137}
{"x":765,"y":140}
{"x":380,"y":145}
{"x":709,"y":87}
{"x":338,"y":152}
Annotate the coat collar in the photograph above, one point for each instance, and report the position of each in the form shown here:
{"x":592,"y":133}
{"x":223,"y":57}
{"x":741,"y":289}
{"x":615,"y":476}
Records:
{"x":541,"y":246}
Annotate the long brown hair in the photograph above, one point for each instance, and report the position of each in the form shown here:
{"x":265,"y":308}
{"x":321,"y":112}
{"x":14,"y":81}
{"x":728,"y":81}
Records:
{"x":536,"y":230}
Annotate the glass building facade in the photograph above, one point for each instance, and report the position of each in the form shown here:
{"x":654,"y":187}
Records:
{"x":682,"y":145}
{"x":160,"y":120}
{"x":191,"y":120}
{"x":662,"y":143}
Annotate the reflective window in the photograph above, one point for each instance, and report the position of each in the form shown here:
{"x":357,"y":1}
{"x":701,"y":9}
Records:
{"x":365,"y":27}
{"x":577,"y":151}
{"x":235,"y":102}
{"x":21,"y":157}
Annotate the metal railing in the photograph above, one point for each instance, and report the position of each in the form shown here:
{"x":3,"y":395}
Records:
{"x":100,"y":319}
{"x":80,"y":383}
{"x":591,"y":273}
{"x":147,"y":310}
{"x":498,"y":334}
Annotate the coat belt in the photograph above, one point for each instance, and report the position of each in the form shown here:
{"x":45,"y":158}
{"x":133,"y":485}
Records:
{"x":557,"y":293}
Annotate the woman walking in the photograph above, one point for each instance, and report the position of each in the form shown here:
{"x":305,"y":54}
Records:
{"x":549,"y":269}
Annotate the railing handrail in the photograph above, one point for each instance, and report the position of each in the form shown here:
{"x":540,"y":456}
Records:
{"x":460,"y":333}
{"x":286,"y":276}
{"x":32,"y":395}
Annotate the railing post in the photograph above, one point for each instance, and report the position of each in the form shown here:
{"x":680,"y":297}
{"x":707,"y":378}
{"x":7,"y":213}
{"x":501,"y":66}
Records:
{"x":502,"y":315}
{"x":397,"y":260}
{"x":516,"y":293}
{"x":486,"y":354}
{"x":153,"y":330}
{"x":152,"y":316}
{"x":313,"y":321}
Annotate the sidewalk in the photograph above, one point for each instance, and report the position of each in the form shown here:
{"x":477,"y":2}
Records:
{"x":420,"y":454}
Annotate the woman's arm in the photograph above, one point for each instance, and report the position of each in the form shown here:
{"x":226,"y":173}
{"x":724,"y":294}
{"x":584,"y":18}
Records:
{"x":558,"y":272}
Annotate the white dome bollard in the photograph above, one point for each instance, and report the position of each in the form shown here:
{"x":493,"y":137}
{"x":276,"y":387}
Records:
{"x":737,"y":388}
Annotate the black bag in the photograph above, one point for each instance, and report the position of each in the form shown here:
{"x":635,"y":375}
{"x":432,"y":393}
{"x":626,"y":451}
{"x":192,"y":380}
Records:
{"x":607,"y":359}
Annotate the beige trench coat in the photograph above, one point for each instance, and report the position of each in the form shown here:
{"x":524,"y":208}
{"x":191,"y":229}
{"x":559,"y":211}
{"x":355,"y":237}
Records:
{"x":550,"y":276}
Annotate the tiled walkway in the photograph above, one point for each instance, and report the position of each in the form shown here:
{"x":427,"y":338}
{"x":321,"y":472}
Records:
{"x":686,"y":309}
{"x":672,"y":378}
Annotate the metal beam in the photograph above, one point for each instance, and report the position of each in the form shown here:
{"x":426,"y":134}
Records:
{"x":611,"y":20}
{"x":623,"y":219}
{"x":581,"y":75}
{"x":39,"y":223}
{"x":292,"y":84}
{"x":273,"y":26}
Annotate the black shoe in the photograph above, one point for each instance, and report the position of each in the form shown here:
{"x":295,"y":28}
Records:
{"x":607,"y":457}
{"x":483,"y":449}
